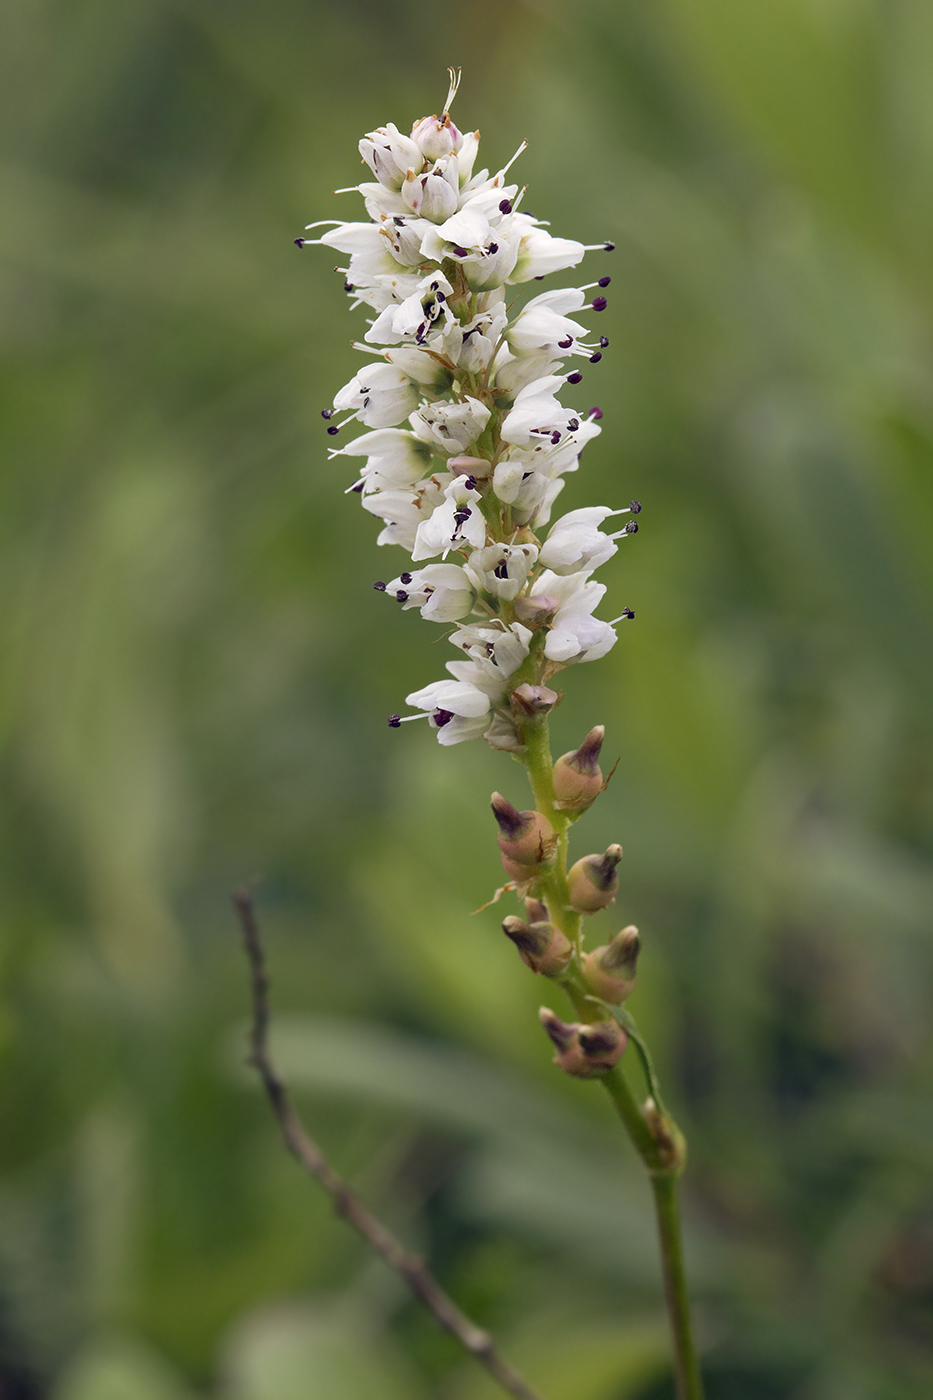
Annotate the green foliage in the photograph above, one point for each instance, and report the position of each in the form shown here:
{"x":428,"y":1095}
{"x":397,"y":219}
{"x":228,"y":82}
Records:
{"x":196,"y":672}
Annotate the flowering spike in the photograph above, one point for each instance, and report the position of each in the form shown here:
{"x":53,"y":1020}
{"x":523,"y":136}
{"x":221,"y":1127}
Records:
{"x":465,"y":442}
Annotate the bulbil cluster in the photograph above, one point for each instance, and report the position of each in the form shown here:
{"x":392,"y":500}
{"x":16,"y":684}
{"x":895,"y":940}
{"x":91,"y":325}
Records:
{"x":467,"y":445}
{"x":534,"y":859}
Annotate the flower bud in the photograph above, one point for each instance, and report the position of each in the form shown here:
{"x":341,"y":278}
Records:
{"x":436,"y":136}
{"x":533,"y":699}
{"x":593,"y":881}
{"x":578,"y":779}
{"x":390,"y":155}
{"x":527,"y":837}
{"x":542,"y":947}
{"x":610,"y":970}
{"x":584,"y":1051}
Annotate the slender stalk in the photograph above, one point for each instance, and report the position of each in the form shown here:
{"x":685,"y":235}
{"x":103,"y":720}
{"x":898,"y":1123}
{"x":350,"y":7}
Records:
{"x":655,"y":1137}
{"x":687,"y":1371}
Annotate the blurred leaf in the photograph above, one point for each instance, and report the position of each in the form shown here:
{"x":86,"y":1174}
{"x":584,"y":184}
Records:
{"x":294,"y":1351}
{"x":120,"y":1369}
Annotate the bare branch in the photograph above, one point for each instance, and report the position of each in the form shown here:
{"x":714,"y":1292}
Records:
{"x":346,"y":1202}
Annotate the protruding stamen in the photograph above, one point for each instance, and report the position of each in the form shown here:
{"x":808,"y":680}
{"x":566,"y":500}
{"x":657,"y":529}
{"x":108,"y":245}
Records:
{"x":455,"y":75}
{"x":599,"y":303}
{"x":604,"y":281}
{"x":574,"y":378}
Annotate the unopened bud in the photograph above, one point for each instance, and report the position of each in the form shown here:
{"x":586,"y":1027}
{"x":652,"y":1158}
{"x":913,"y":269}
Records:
{"x":436,"y":136}
{"x":542,"y":947}
{"x":584,"y":1051}
{"x":593,"y":881}
{"x":527,"y":837}
{"x":519,"y":873}
{"x":578,"y":779}
{"x":535,"y":612}
{"x":610,"y":970}
{"x":533,"y":699}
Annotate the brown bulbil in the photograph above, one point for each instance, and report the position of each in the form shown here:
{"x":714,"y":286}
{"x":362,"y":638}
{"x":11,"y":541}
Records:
{"x":610,"y":970}
{"x":584,"y":1051}
{"x":542,"y":947}
{"x":593,"y":881}
{"x":526,"y":837}
{"x":578,"y":779}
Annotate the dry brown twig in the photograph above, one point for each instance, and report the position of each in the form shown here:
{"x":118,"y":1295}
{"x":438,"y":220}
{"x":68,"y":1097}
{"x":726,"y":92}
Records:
{"x":346,"y":1202}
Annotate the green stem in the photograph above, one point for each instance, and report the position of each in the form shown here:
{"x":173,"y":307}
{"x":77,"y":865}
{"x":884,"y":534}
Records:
{"x":687,"y":1370}
{"x":654,"y":1135}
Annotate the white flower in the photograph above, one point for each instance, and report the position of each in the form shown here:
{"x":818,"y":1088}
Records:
{"x":381,"y":396}
{"x":575,"y":635}
{"x":471,"y":347}
{"x":544,"y":325}
{"x":502,"y":569}
{"x":576,"y":543}
{"x":540,"y":253}
{"x":396,"y":459}
{"x":390,"y":155}
{"x":436,"y":193}
{"x":456,"y":520}
{"x":456,"y":709}
{"x":404,"y":511}
{"x":451,"y":426}
{"x":443,"y":592}
{"x":502,"y":648}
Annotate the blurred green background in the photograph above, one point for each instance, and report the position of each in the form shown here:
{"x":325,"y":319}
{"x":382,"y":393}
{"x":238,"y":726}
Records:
{"x":196,"y":674}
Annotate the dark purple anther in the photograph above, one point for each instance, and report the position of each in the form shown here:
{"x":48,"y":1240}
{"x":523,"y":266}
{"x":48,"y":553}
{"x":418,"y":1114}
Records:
{"x":599,"y":303}
{"x":327,"y":413}
{"x":348,"y":287}
{"x":574,"y":378}
{"x":401,"y":596}
{"x":441,"y":296}
{"x":634,"y":507}
{"x":299,"y":242}
{"x":404,"y":578}
{"x":555,"y":438}
{"x":358,"y":488}
{"x":632,"y":527}
{"x":333,"y":430}
{"x":461,"y":253}
{"x":573,"y":425}
{"x":604,"y":281}
{"x":595,"y":359}
{"x":604,"y":341}
{"x":379,"y":586}
{"x":442,"y":717}
{"x":565,"y":344}
{"x":504,"y":206}
{"x":627,"y":612}
{"x":395,"y":721}
{"x":609,"y":247}
{"x":493,"y":248}
{"x":462,"y":515}
{"x":595,"y":413}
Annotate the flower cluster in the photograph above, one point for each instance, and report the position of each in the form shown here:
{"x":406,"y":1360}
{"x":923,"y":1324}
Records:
{"x":467,"y":445}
